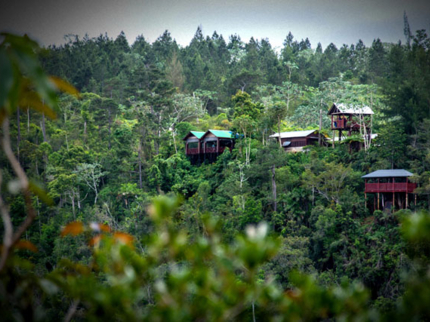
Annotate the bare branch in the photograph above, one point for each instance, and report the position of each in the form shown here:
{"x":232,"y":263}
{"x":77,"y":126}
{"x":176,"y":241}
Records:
{"x":8,"y":229}
{"x":24,"y":183}
{"x":71,"y":311}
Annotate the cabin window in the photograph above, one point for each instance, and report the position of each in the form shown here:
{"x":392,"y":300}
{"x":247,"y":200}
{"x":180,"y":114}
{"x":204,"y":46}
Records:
{"x":193,"y":145}
{"x":211,"y":144}
{"x":286,"y":143}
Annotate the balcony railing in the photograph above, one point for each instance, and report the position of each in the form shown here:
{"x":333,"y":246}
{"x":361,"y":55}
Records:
{"x":390,"y":187}
{"x":210,"y":150}
{"x":192,"y":151}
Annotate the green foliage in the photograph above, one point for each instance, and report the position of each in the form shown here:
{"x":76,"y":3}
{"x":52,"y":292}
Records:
{"x":111,"y":153}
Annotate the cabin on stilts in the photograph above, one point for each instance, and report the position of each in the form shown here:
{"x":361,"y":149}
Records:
{"x":202,"y":146}
{"x":351,"y":120}
{"x":295,"y":141}
{"x":390,"y":189}
{"x":193,"y":146}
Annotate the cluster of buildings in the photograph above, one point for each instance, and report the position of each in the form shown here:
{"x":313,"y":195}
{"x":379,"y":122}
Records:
{"x":390,"y":189}
{"x":345,"y":120}
{"x":201,"y":146}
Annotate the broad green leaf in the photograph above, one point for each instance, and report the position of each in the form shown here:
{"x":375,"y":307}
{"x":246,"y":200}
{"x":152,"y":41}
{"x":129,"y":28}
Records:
{"x":40,"y":192}
{"x":6,"y":79}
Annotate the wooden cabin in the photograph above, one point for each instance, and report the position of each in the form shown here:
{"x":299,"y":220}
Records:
{"x":192,"y":145}
{"x":296,"y":140}
{"x":214,"y":142}
{"x":349,"y":118}
{"x":201,"y":146}
{"x":192,"y":141}
{"x":391,"y":189}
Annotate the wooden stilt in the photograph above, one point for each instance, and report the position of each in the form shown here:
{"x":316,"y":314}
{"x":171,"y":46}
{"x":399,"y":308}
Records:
{"x":415,"y":199}
{"x":365,"y":200}
{"x":378,"y":200}
{"x":394,"y":200}
{"x":374,"y":203}
{"x":332,"y":142}
{"x":407,"y":195}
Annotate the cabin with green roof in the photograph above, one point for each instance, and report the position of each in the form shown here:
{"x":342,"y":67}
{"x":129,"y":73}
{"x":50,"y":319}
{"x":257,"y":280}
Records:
{"x":192,"y":142}
{"x":201,"y":146}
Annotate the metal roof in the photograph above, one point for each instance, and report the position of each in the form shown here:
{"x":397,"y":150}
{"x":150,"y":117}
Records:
{"x":388,"y":174}
{"x":197,"y":134}
{"x":294,"y":134}
{"x":221,"y":134}
{"x":349,"y":109}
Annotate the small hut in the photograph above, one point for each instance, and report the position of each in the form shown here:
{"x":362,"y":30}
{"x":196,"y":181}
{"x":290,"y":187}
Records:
{"x":349,"y":119}
{"x":296,"y":140}
{"x":214,"y":142}
{"x":201,"y":146}
{"x":192,"y":145}
{"x":391,"y":187}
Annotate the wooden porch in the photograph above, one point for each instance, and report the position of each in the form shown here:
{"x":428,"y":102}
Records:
{"x":390,"y":187}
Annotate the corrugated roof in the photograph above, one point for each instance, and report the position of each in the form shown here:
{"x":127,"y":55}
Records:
{"x":388,"y":174}
{"x":294,"y":134}
{"x":222,"y":134}
{"x":350,"y":109}
{"x":197,"y":134}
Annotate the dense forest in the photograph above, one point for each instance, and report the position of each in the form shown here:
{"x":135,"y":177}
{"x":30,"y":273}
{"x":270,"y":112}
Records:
{"x":112,"y":221}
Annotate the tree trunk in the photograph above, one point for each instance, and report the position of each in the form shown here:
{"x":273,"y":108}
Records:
{"x":28,"y":120}
{"x":140,"y":163}
{"x":110,"y":129}
{"x":42,"y":125}
{"x":320,"y":128}
{"x":174,"y":140}
{"x":274,"y":189}
{"x":279,"y":132}
{"x":85,"y":131}
{"x":18,"y":124}
{"x":72,"y":197}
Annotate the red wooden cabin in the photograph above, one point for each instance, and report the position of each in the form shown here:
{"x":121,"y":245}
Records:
{"x":192,"y":142}
{"x":200,"y":146}
{"x":392,"y":188}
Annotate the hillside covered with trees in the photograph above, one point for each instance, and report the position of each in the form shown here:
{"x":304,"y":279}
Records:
{"x":123,"y":227}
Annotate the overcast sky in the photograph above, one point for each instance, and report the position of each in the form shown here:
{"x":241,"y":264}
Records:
{"x":325,"y":21}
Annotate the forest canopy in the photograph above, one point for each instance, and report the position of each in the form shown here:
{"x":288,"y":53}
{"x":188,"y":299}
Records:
{"x":105,"y":216}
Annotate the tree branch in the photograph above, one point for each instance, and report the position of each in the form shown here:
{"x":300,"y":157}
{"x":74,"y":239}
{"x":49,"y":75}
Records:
{"x":8,"y":229}
{"x":31,"y":213}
